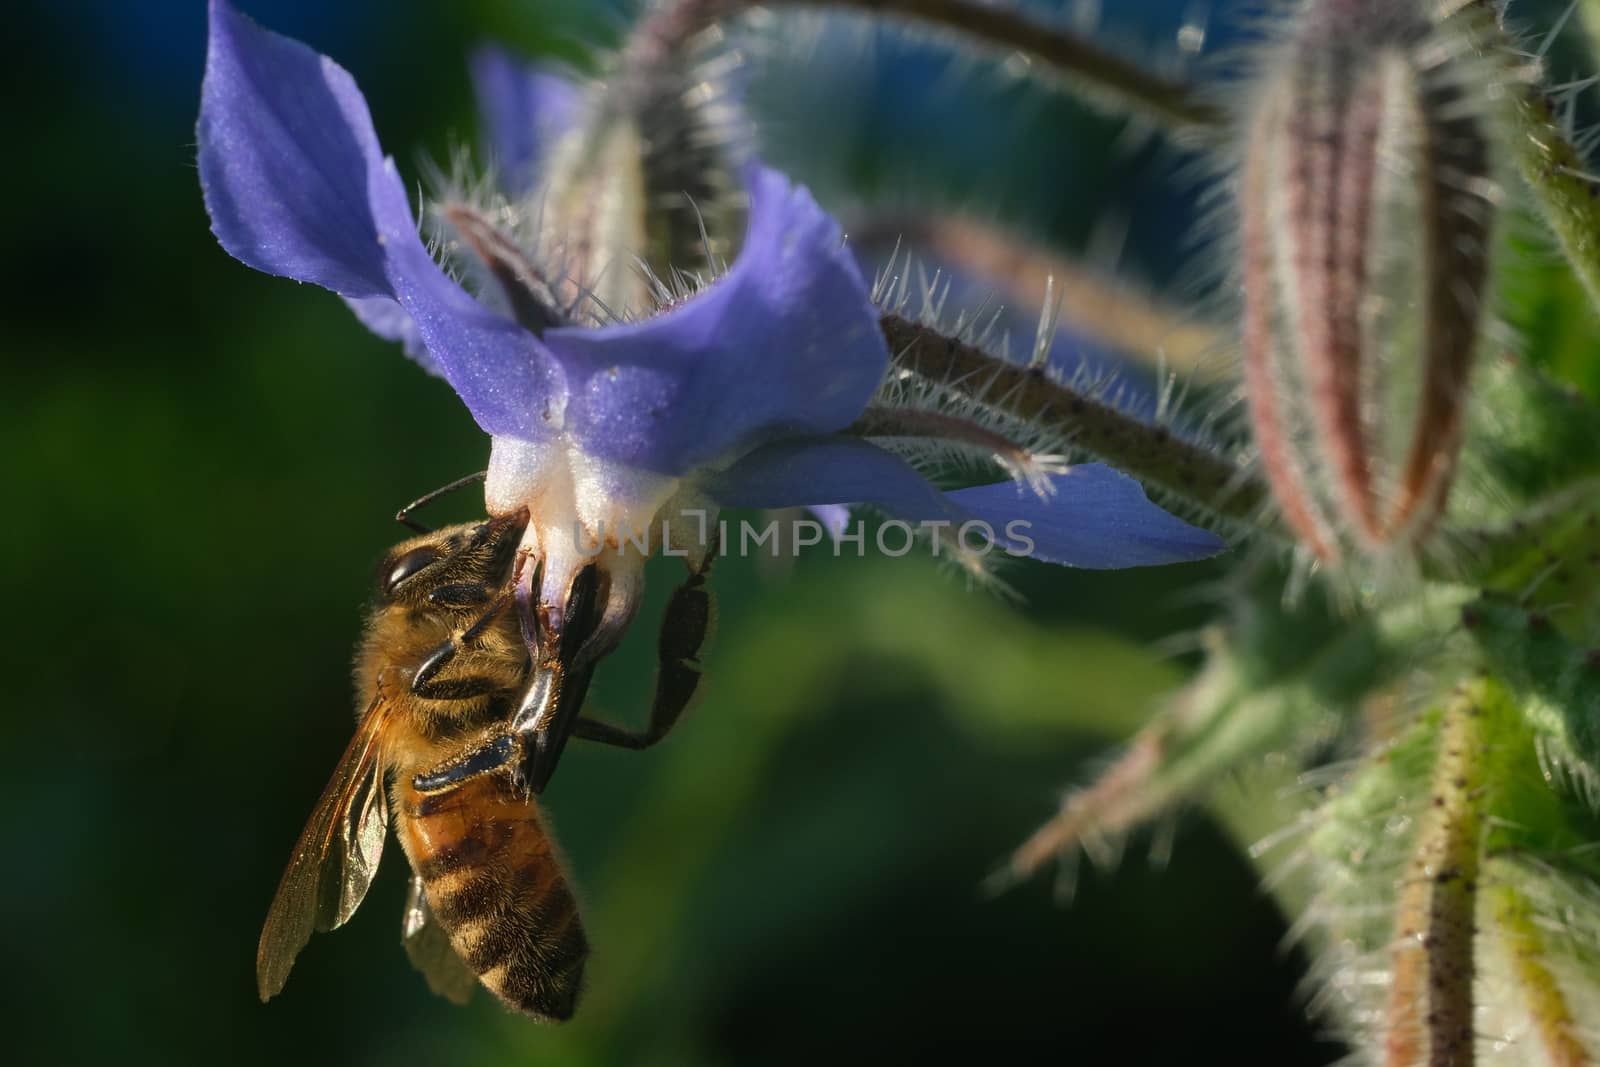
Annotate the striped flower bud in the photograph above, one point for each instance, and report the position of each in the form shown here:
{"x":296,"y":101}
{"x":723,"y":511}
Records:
{"x":1365,"y":210}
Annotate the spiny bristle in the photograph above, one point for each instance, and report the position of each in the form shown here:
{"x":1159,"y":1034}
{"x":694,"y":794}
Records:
{"x":980,"y":570}
{"x":697,"y":146}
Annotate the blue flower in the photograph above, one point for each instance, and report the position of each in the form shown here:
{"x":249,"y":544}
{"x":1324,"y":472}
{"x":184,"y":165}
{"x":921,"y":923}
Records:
{"x":734,"y":396}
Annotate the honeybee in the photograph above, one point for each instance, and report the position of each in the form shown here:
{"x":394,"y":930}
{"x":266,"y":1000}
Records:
{"x":444,"y":670}
{"x":441,"y":666}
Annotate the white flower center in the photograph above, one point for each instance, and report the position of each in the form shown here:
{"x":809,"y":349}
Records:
{"x":582,"y":511}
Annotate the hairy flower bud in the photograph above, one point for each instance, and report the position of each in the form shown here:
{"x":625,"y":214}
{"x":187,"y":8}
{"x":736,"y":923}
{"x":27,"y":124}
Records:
{"x":1366,"y":211}
{"x":652,"y":175}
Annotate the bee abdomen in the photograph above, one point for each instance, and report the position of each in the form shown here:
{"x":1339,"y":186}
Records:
{"x":495,"y":885}
{"x":531,"y":961}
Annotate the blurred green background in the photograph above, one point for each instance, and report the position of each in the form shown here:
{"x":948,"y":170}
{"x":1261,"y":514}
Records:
{"x":203,"y":463}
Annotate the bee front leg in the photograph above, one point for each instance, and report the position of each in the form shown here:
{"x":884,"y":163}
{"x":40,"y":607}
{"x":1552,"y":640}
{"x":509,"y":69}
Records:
{"x":447,"y":675}
{"x":456,"y":669}
{"x":685,"y":627}
{"x":550,"y":703}
{"x":542,"y":747}
{"x":493,"y":757}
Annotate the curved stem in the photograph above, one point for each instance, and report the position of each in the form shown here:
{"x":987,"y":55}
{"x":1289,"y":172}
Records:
{"x":1103,"y":75}
{"x":1151,"y":453}
{"x":1429,"y":1018}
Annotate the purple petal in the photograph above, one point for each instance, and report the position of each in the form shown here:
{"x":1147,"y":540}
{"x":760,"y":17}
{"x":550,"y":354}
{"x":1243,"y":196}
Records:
{"x":526,"y":109}
{"x":506,"y":378}
{"x":787,"y":342}
{"x":834,"y":518}
{"x":384,"y":317}
{"x":285,"y":151}
{"x":297,"y":185}
{"x":1097,"y":518}
{"x":821,"y":472}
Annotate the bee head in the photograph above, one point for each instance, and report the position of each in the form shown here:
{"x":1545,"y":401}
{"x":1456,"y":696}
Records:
{"x":474,"y":554}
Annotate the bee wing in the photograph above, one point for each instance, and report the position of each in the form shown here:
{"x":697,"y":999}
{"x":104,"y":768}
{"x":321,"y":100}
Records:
{"x":429,"y":949}
{"x":335,"y":859}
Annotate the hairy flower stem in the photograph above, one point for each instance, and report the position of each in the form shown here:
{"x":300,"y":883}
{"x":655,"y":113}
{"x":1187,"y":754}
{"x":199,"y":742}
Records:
{"x":1511,"y":916}
{"x":1121,"y":315}
{"x":1430,"y":1009}
{"x":1115,"y":802}
{"x":1549,"y":163}
{"x":1099,"y":73}
{"x":1232,"y":716}
{"x":1030,"y":395}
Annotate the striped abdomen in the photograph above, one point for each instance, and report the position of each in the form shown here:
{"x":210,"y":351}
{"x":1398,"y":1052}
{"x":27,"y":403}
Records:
{"x":495,"y":885}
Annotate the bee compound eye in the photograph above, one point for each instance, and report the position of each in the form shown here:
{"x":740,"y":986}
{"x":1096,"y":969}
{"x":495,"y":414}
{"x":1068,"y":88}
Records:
{"x":408,"y":565}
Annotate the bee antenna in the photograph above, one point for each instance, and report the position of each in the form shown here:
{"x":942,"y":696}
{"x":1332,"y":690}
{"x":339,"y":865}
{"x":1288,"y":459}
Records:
{"x":403,"y":516}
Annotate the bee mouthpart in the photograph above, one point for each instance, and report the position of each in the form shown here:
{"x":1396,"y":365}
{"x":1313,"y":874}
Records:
{"x":511,"y":524}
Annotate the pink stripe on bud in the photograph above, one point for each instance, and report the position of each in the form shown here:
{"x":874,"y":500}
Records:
{"x":1365,"y":234}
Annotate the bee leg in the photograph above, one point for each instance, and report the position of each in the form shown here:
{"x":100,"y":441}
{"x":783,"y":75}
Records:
{"x":684,"y":628}
{"x":434,"y":679}
{"x":487,"y":759}
{"x":432,"y":683}
{"x":498,"y":752}
{"x":550,"y":707}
